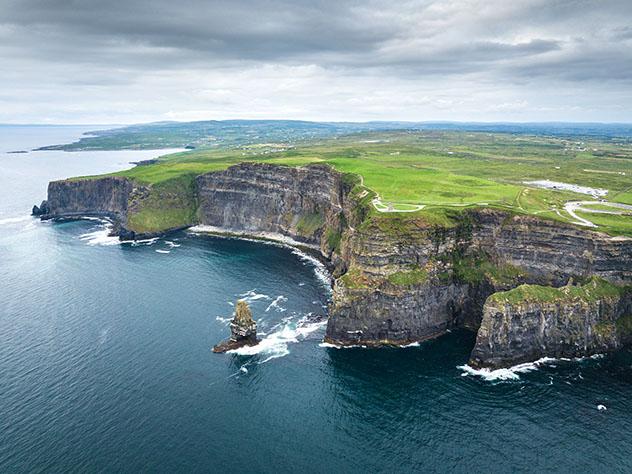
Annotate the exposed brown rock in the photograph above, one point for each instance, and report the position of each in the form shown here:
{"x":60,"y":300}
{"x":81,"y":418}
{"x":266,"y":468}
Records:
{"x":243,"y":330}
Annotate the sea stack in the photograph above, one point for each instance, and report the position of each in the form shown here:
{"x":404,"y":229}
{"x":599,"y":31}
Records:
{"x":243,"y":330}
{"x":42,"y":210}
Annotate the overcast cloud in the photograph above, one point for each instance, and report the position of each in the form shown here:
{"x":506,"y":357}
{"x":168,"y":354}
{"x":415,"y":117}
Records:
{"x":124,"y":61}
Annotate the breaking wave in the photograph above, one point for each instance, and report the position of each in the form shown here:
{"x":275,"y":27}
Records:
{"x":275,"y":344}
{"x":320,"y":270}
{"x":101,"y":236}
{"x":275,"y":304}
{"x":513,"y":373}
{"x":15,"y":220}
{"x":336,"y":346}
{"x":252,"y":295}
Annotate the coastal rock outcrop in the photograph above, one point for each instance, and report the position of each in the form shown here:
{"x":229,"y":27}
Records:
{"x":100,"y":197}
{"x":531,"y":322}
{"x":40,"y":210}
{"x":399,"y":278}
{"x":552,"y":251}
{"x":243,"y":330}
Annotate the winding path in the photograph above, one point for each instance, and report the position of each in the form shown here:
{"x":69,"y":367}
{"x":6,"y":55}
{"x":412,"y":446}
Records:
{"x":573,"y":206}
{"x":570,"y":207}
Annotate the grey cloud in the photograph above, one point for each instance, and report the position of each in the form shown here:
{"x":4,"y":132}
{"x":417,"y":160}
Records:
{"x":163,"y":34}
{"x":88,"y":47}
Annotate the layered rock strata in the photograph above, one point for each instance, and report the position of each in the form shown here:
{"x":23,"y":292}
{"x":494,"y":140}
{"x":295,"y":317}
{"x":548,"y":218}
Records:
{"x":304,"y":203}
{"x":243,"y":330}
{"x":528,"y":323}
{"x":399,"y":278}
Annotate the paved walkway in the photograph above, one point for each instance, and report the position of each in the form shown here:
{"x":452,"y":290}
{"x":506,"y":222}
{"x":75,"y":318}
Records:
{"x":573,"y":206}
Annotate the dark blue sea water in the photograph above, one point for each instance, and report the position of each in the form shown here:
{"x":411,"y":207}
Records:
{"x":106,"y":363}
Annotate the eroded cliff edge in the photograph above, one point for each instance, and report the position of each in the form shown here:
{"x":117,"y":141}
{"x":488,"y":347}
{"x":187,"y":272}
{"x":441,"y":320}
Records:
{"x":399,"y":278}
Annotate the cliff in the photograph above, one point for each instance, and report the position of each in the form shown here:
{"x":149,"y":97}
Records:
{"x":531,"y":322}
{"x":409,"y":280}
{"x":304,"y":203}
{"x":137,"y":210}
{"x":399,"y":278}
{"x":107,"y":197}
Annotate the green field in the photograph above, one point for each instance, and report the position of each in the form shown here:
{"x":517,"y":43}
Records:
{"x":442,"y":170}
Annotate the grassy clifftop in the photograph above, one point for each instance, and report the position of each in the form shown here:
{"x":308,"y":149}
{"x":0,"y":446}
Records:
{"x":594,"y":290}
{"x":435,"y":174}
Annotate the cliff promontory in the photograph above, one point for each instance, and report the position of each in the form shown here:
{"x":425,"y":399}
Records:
{"x":399,"y":278}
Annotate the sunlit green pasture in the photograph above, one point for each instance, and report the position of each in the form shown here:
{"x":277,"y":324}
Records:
{"x":445,"y":170}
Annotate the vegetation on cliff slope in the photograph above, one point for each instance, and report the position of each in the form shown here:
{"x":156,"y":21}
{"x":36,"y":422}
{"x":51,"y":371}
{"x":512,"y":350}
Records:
{"x":168,"y":204}
{"x":477,"y":268}
{"x":593,"y":290}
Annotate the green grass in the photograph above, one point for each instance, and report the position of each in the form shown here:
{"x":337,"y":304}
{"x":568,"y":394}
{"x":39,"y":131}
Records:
{"x":170,"y":204}
{"x":354,"y":279}
{"x":308,"y":224}
{"x":624,"y":325}
{"x":415,"y":276}
{"x":594,"y":290}
{"x":475,"y":269}
{"x":445,"y":171}
{"x":613,"y":224}
{"x":601,"y":207}
{"x":333,"y":239}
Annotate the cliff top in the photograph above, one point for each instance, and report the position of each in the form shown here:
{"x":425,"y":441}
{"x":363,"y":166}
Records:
{"x":434,"y":175}
{"x":593,"y":290}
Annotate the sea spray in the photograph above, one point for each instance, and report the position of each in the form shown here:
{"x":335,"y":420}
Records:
{"x":275,"y":344}
{"x":513,"y":373}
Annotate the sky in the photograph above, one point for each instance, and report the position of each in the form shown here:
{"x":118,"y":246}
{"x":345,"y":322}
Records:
{"x":132,"y":61}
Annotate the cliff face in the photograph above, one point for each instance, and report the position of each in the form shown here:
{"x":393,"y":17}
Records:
{"x":302,"y":203}
{"x":551,"y":250}
{"x":106,"y":197}
{"x":137,"y":210}
{"x":527,"y":324}
{"x":383,"y":298}
{"x":400,"y":278}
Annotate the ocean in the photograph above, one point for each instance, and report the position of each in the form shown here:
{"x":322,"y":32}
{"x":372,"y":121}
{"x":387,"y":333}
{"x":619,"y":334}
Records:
{"x":106,"y":362}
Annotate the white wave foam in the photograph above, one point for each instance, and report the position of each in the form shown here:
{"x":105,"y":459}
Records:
{"x":275,"y":304}
{"x":172,"y":244}
{"x":275,"y":344}
{"x":510,"y":373}
{"x":101,"y":236}
{"x":224,"y":321}
{"x":163,"y":251}
{"x":252,"y":295}
{"x":336,"y":346}
{"x":412,"y":344}
{"x":136,"y":243}
{"x":319,"y":269}
{"x":15,"y":220}
{"x":267,"y":237}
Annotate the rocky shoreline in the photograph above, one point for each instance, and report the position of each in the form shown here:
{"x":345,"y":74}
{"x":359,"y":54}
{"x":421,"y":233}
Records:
{"x":398,"y":279}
